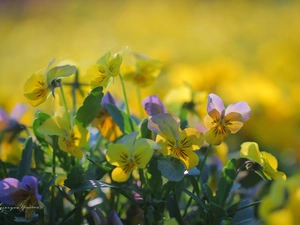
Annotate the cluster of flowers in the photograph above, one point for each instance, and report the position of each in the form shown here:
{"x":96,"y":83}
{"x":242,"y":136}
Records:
{"x":130,"y":151}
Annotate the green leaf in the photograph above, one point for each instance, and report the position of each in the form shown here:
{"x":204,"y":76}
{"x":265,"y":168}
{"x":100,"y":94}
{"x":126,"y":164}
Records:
{"x":155,"y":182}
{"x":75,"y":177}
{"x":198,"y":200}
{"x":226,"y":181}
{"x":209,"y":193}
{"x":124,"y":121}
{"x":49,"y":184}
{"x":171,"y":168}
{"x":145,"y":132}
{"x":25,"y":163}
{"x":60,"y":71}
{"x":90,"y":108}
{"x":40,"y":118}
{"x":90,"y":184}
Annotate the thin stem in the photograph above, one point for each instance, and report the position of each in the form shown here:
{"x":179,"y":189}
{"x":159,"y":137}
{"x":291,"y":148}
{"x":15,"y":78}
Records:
{"x":55,"y":146}
{"x":124,"y":94}
{"x":65,"y":104}
{"x":143,"y":184}
{"x":138,"y":90}
{"x":204,"y":160}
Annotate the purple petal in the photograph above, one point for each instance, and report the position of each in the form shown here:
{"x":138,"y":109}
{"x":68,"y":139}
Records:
{"x":99,"y":218}
{"x":113,"y":218}
{"x":4,"y":120}
{"x":153,"y":105}
{"x":241,"y":108}
{"x":30,"y":183}
{"x":8,"y":187}
{"x":18,"y":111}
{"x":108,"y":99}
{"x":215,"y":102}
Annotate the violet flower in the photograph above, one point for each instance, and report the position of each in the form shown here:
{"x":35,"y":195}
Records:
{"x":153,"y":105}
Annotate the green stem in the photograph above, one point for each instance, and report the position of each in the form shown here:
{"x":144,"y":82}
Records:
{"x":138,"y":90}
{"x":124,"y":94}
{"x":204,"y":160}
{"x":52,"y":206}
{"x":143,"y":184}
{"x":65,"y":104}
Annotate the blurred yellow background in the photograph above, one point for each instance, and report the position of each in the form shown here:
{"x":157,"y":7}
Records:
{"x":240,"y":50}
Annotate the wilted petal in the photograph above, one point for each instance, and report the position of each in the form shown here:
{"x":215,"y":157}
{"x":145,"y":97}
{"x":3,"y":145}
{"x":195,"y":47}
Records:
{"x":30,"y":183}
{"x":8,"y":187}
{"x":165,"y":124}
{"x":241,"y":108}
{"x":215,"y":102}
{"x":153,"y":105}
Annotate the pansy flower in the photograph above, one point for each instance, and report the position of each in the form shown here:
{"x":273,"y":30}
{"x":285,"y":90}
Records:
{"x":129,"y":153}
{"x":153,"y":105}
{"x":263,"y":163}
{"x":175,"y":142}
{"x":221,"y":122}
{"x":70,"y":138}
{"x":104,"y":122}
{"x":39,"y":86}
{"x":106,"y":68}
{"x":23,"y":194}
{"x":143,"y":72}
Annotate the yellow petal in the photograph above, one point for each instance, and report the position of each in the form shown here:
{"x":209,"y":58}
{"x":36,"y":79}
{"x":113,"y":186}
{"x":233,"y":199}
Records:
{"x":270,"y":159}
{"x":251,"y":151}
{"x":189,"y":158}
{"x":80,"y":135}
{"x":214,"y":136}
{"x":166,"y":144}
{"x":211,"y":119}
{"x":191,"y":139}
{"x":66,"y":144}
{"x":233,"y":121}
{"x":120,"y":175}
{"x":53,"y":126}
{"x":142,"y":153}
{"x":114,"y":65}
{"x":98,"y":76}
{"x":117,"y":155}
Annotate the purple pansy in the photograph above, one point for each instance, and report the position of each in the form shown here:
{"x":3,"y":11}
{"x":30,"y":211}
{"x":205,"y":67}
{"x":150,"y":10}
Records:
{"x":221,"y":121}
{"x":153,"y":105}
{"x":14,"y":192}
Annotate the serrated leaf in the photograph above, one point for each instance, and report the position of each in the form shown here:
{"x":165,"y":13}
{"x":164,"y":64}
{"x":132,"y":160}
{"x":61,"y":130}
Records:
{"x":90,"y":108}
{"x":226,"y":181}
{"x":60,"y":71}
{"x":124,"y":121}
{"x":25,"y":163}
{"x":172,"y":169}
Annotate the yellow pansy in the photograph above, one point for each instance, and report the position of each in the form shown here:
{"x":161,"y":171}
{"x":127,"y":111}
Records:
{"x":39,"y":86}
{"x":129,"y":153}
{"x":221,"y":122}
{"x":104,"y":70}
{"x":70,"y":139}
{"x":263,"y":163}
{"x":281,"y":204}
{"x":175,"y":142}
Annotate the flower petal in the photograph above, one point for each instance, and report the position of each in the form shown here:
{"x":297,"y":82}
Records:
{"x":30,"y":183}
{"x":189,"y":158}
{"x":250,"y":150}
{"x":108,"y":99}
{"x":142,"y":153}
{"x":212,"y":118}
{"x":120,"y":175}
{"x":53,"y":126}
{"x":214,"y":137}
{"x":165,"y":124}
{"x":128,"y":140}
{"x":18,"y":112}
{"x":191,"y":139}
{"x":8,"y":187}
{"x":241,"y":108}
{"x":153,"y":105}
{"x":215,"y":102}
{"x":166,"y":144}
{"x":117,"y":155}
{"x":80,"y":135}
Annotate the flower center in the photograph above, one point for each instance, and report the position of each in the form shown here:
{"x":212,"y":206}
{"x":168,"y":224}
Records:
{"x":129,"y":166}
{"x":180,"y":153}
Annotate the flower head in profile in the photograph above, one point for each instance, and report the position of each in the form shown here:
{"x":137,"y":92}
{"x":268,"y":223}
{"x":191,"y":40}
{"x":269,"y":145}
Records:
{"x":153,"y":105}
{"x":263,"y":163}
{"x":23,"y":194}
{"x":282,"y":202}
{"x":175,"y":142}
{"x":106,"y":68}
{"x":70,"y":138}
{"x":221,"y":122}
{"x":104,"y":122}
{"x":129,"y":153}
{"x":144,"y":70}
{"x":39,"y":86}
